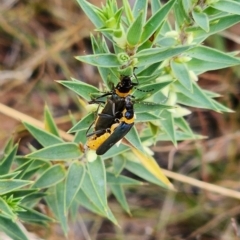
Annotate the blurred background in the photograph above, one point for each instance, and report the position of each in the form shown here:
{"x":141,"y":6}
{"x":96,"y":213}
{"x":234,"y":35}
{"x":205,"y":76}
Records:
{"x":38,"y":42}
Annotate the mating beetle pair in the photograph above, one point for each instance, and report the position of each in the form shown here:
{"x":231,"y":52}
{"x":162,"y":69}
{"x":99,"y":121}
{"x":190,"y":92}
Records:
{"x":116,"y":118}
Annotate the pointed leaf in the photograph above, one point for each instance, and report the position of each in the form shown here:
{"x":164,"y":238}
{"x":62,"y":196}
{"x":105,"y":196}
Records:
{"x":140,"y":5}
{"x":32,"y":216}
{"x":82,"y":89}
{"x":56,"y":201}
{"x":6,"y":163}
{"x":121,"y":180}
{"x":50,"y":177}
{"x":101,"y":60}
{"x":146,"y":117}
{"x":74,"y":181}
{"x":97,"y":174}
{"x":9,"y":185}
{"x":154,"y":55}
{"x":134,"y":139}
{"x":201,"y":20}
{"x":168,"y":126}
{"x":62,"y":151}
{"x":212,"y":55}
{"x":118,"y":192}
{"x":135,"y":30}
{"x":156,"y":20}
{"x":12,"y":229}
{"x":6,"y":210}
{"x":227,"y":6}
{"x":181,"y":72}
{"x":49,"y":123}
{"x":118,"y":164}
{"x":44,"y":138}
{"x":84,"y":123}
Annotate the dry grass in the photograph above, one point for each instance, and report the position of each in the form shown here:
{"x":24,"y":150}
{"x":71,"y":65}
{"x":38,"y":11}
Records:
{"x":38,"y":42}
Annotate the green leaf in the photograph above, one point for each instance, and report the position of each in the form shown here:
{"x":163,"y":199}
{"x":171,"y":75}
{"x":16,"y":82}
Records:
{"x":227,"y":6}
{"x":97,"y":175}
{"x":56,"y":201}
{"x":143,"y":173}
{"x":32,"y":198}
{"x":82,"y":89}
{"x":146,"y":117}
{"x":154,"y":55}
{"x":44,"y":138}
{"x":9,"y":185}
{"x":201,"y":66}
{"x":9,"y":175}
{"x":197,"y":96}
{"x":181,"y":72}
{"x":62,"y":151}
{"x":80,"y":137}
{"x":148,"y":90}
{"x":140,"y":5}
{"x":84,"y":123}
{"x":91,"y":192}
{"x":32,"y":216}
{"x":212,"y":55}
{"x":75,"y":176}
{"x":135,"y":30}
{"x":6,"y":210}
{"x":118,"y":164}
{"x":8,"y":147}
{"x":201,"y":20}
{"x":134,"y":139}
{"x":106,"y":60}
{"x":221,"y":24}
{"x":168,"y":126}
{"x":118,"y":192}
{"x":50,"y":125}
{"x":92,"y":12}
{"x":6,"y":163}
{"x":155,"y":5}
{"x":50,"y":177}
{"x":121,"y":180}
{"x":12,"y":229}
{"x":87,"y":202}
{"x":114,"y":151}
{"x":128,"y":11}
{"x":141,"y":107}
{"x":156,"y":20}
{"x":183,"y":124}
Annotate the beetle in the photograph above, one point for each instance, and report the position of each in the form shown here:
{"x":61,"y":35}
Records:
{"x":118,"y":131}
{"x":114,"y":106}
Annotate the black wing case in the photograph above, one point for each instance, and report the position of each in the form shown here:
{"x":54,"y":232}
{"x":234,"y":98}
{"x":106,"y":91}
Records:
{"x":117,"y":135}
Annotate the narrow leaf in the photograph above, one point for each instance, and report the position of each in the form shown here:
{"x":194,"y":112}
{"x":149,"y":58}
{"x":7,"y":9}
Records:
{"x":43,"y":137}
{"x":118,"y":192}
{"x":57,"y":152}
{"x":156,"y":20}
{"x":227,"y":6}
{"x":168,"y":126}
{"x":134,"y":139}
{"x":118,"y":164}
{"x":9,"y":185}
{"x":74,"y":181}
{"x":50,"y":177}
{"x":82,"y":89}
{"x":121,"y":180}
{"x":154,"y":55}
{"x":49,"y":123}
{"x":101,"y":60}
{"x":140,"y":5}
{"x":201,"y":20}
{"x":6,"y":163}
{"x":6,"y":210}
{"x":181,"y":72}
{"x":84,"y":123}
{"x":12,"y":229}
{"x":135,"y":30}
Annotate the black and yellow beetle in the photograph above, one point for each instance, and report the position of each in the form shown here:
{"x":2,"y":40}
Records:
{"x":115,"y":132}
